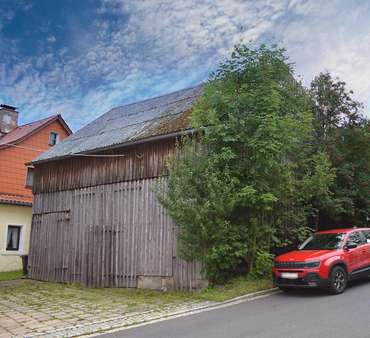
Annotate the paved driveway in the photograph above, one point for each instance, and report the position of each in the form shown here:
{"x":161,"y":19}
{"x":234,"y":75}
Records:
{"x":297,"y":315}
{"x":29,"y":308}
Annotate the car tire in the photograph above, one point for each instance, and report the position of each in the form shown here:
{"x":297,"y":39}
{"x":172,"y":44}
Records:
{"x":337,"y":280}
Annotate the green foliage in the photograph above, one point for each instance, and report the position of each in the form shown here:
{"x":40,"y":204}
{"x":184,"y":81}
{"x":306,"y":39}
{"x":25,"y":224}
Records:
{"x":202,"y":209}
{"x":263,"y":265}
{"x":343,"y":134}
{"x":235,"y":287}
{"x":271,"y":161}
{"x":10,"y":275}
{"x":333,"y":108}
{"x":242,"y":185}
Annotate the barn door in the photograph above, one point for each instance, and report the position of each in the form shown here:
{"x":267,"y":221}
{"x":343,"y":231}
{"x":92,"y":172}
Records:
{"x":107,"y":261}
{"x":126,"y":234}
{"x":51,"y":243}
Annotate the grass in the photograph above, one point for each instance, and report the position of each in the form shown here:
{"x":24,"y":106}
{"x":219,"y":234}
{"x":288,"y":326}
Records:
{"x":45,"y":294}
{"x":31,"y":292}
{"x":10,"y":275}
{"x":234,"y":288}
{"x":78,"y":304}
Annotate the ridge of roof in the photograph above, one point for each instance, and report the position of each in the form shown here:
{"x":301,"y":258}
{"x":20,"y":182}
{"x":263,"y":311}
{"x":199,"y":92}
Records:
{"x":39,"y":121}
{"x":158,"y":97}
{"x":142,"y":120}
{"x":137,"y":123}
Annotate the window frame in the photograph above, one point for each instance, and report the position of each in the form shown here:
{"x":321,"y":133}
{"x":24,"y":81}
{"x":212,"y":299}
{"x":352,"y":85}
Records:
{"x":51,"y":139}
{"x":29,"y":169}
{"x":360,"y":234}
{"x":19,"y":242}
{"x":309,"y":239}
{"x":366,"y":234}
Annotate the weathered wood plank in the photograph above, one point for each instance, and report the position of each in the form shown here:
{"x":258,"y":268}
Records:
{"x":106,"y":235}
{"x":139,"y":162}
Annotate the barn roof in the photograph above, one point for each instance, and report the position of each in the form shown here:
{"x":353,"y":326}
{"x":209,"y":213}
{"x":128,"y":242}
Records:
{"x":141,"y":121}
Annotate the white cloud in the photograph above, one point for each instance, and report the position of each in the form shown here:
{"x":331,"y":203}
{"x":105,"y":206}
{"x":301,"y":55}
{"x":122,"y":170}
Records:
{"x":51,"y":39}
{"x":331,"y":36}
{"x":156,"y":47}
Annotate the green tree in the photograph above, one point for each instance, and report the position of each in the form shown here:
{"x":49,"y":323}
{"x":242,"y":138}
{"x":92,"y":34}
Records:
{"x":243,"y":185}
{"x":333,"y":108}
{"x":342,"y":132}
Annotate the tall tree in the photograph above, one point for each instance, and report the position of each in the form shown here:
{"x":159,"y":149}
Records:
{"x":245,"y":184}
{"x":342,"y":132}
{"x":333,"y":108}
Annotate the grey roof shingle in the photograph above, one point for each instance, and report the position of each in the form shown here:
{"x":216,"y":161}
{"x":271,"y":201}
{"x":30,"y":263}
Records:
{"x":122,"y":125}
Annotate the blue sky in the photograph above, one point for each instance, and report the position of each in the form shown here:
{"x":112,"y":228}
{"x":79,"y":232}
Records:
{"x":81,"y":58}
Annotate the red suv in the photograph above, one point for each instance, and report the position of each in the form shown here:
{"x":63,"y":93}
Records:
{"x":327,"y":259}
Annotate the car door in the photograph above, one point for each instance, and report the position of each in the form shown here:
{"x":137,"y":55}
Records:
{"x":356,"y":256}
{"x":366,"y":233}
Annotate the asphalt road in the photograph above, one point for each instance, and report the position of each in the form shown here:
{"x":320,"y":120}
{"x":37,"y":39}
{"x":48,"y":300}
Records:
{"x":301,"y":314}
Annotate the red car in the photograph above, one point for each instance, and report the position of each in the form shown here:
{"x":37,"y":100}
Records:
{"x":328,"y":259}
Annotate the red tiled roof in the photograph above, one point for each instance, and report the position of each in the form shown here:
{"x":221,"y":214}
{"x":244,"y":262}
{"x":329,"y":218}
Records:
{"x":15,"y":199}
{"x":22,"y":132}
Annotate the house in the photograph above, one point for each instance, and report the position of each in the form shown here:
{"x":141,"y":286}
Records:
{"x":19,"y":145}
{"x":96,"y":219}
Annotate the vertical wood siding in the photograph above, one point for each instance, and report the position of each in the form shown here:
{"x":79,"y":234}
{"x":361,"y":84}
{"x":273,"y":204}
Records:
{"x":106,"y":236}
{"x":136,"y":162}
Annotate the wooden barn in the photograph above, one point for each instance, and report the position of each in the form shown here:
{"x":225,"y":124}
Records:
{"x":96,"y":219}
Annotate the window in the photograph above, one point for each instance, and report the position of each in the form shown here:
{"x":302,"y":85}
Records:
{"x":356,"y":237}
{"x":13,"y":237}
{"x":29,"y":178}
{"x":323,"y":242}
{"x":53,"y":138}
{"x":367,"y":235}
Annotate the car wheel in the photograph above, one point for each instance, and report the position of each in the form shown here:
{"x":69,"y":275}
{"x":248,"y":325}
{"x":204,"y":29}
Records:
{"x":337,"y":280}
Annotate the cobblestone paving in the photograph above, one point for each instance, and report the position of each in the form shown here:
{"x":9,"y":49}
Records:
{"x":33,"y":315}
{"x":122,"y":321}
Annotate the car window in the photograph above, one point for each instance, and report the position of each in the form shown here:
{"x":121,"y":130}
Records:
{"x":356,"y":237}
{"x":366,"y":233}
{"x":323,"y":242}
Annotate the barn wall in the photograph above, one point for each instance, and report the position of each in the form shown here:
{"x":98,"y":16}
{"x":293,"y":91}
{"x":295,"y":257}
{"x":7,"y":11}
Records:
{"x":108,"y":235}
{"x":138,"y":162}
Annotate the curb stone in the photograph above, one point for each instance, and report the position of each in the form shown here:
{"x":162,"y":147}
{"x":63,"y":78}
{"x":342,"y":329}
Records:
{"x":147,"y":317}
{"x":249,"y":295}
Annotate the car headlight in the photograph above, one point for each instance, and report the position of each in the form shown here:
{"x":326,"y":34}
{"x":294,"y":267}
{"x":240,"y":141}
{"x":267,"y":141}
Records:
{"x":312,"y":265}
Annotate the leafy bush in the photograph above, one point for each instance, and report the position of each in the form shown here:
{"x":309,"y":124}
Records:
{"x":253,"y":178}
{"x":263,"y":265}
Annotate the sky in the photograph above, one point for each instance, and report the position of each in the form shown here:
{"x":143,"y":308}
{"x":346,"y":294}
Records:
{"x":82,"y":58}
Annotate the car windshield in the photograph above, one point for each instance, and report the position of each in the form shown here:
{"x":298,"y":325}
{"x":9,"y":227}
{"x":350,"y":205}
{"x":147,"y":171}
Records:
{"x":323,"y":242}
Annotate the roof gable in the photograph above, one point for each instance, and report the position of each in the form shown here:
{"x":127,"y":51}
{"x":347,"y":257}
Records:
{"x":21,"y":133}
{"x":143,"y":120}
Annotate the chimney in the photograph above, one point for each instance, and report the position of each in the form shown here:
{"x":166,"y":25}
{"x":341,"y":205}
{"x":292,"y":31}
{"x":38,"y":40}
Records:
{"x":8,"y":119}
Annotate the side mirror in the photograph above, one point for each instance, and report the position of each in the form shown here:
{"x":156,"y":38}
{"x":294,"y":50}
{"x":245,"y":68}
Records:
{"x":350,"y":245}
